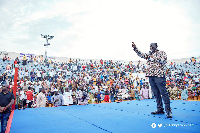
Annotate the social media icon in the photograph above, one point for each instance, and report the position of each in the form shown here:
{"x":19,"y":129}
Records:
{"x":153,"y":125}
{"x":159,"y":125}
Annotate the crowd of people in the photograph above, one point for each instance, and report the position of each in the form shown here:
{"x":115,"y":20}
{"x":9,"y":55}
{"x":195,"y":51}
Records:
{"x":46,"y":83}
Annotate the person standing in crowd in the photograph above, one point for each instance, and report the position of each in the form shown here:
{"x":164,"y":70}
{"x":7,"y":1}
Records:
{"x":106,"y":98}
{"x":41,"y":99}
{"x":57,"y":99}
{"x":23,"y":98}
{"x":24,"y":60}
{"x":32,"y":75}
{"x":29,"y":95}
{"x":99,"y":96}
{"x":91,"y":97}
{"x":4,"y":58}
{"x":37,"y":87}
{"x":6,"y":101}
{"x":67,"y":97}
{"x":82,"y":97}
{"x":112,"y":93}
{"x":156,"y":71}
{"x":8,"y":67}
{"x":144,"y":93}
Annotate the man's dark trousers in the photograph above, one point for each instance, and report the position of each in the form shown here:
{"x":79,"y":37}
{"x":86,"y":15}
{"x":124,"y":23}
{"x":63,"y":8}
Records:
{"x":4,"y":119}
{"x":158,"y":86}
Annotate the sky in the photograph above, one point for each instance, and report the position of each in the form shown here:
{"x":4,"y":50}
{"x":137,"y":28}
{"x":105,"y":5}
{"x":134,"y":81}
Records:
{"x":100,"y":29}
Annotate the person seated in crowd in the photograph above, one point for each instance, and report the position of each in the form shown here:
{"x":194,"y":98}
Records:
{"x":184,"y":94}
{"x":196,"y":93}
{"x":117,"y":75}
{"x":132,"y":94}
{"x":174,"y":93}
{"x":126,"y":96}
{"x":190,"y":94}
{"x":137,"y":94}
{"x":49,"y":103}
{"x":8,"y":59}
{"x":4,"y":58}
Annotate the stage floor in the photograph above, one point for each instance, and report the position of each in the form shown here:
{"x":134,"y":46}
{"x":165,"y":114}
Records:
{"x":123,"y":117}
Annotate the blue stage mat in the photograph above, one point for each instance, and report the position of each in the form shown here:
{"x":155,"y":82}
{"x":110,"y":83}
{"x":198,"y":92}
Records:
{"x":123,"y":117}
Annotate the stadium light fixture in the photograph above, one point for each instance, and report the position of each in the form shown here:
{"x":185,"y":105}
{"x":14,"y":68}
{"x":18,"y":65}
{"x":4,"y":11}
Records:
{"x":47,"y":44}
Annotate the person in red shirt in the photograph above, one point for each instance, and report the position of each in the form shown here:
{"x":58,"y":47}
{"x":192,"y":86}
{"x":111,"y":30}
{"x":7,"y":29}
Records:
{"x":101,"y":61}
{"x":168,"y":82}
{"x":91,"y":66}
{"x":126,"y":81}
{"x":83,"y":66}
{"x":29,"y":95}
{"x":106,"y":98}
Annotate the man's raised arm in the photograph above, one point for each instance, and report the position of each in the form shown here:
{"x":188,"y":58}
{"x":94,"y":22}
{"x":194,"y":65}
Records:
{"x":139,"y":53}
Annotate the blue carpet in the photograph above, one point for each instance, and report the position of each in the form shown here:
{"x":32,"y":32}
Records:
{"x":124,"y":117}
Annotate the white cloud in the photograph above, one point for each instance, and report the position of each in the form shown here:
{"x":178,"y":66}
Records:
{"x":104,"y":28}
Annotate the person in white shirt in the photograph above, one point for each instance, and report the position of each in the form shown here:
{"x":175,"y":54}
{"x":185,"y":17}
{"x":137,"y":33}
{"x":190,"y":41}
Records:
{"x":35,"y":63}
{"x":67,"y":97}
{"x":37,"y":87}
{"x":41,"y":99}
{"x":75,"y":68}
{"x":87,"y":80}
{"x":44,"y":75}
{"x":39,"y":75}
{"x":68,"y":73}
{"x":23,"y":98}
{"x":26,"y":75}
{"x":38,"y":59}
{"x":21,"y":74}
{"x":95,"y":88}
{"x":50,"y":74}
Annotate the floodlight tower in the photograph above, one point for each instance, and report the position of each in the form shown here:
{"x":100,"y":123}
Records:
{"x":47,"y":44}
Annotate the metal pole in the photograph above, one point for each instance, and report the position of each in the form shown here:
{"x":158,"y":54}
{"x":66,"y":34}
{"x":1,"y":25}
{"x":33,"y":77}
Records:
{"x":47,"y":38}
{"x":15,"y":83}
{"x":46,"y":50}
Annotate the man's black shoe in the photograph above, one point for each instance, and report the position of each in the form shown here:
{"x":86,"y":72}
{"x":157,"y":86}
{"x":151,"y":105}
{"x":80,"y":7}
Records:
{"x":169,"y":114}
{"x":158,"y":112}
